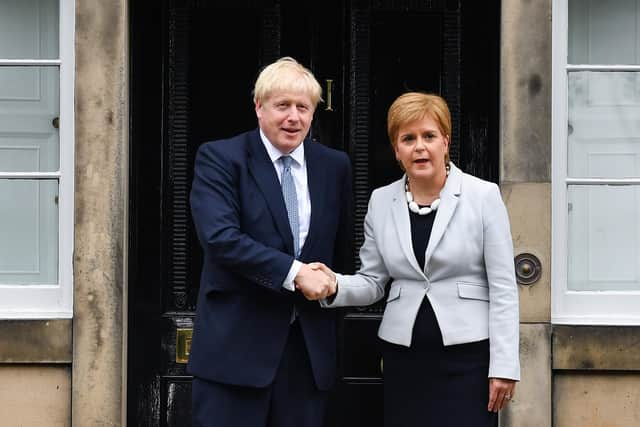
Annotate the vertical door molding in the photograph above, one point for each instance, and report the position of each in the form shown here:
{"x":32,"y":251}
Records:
{"x":176,"y":154}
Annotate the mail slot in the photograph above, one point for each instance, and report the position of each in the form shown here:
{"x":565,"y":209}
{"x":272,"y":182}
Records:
{"x":183,"y":344}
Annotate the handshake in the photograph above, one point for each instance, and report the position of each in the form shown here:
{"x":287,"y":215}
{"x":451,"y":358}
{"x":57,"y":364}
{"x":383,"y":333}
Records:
{"x":316,"y":281}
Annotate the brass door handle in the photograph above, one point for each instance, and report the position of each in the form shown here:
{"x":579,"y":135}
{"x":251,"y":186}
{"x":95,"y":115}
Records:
{"x":329,"y":90}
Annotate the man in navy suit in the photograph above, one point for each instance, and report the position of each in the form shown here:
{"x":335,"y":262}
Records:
{"x":263,"y":350}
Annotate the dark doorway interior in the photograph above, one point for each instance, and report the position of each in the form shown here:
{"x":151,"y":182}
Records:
{"x":193,"y":63}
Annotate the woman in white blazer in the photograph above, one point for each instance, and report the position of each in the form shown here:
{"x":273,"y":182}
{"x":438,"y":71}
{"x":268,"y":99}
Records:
{"x":450,"y":328}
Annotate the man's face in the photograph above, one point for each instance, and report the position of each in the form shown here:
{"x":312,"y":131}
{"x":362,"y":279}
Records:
{"x":285,"y":119}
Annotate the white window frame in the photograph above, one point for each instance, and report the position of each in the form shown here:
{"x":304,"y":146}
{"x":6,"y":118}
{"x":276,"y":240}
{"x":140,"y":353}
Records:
{"x":576,"y":307}
{"x":52,"y":301}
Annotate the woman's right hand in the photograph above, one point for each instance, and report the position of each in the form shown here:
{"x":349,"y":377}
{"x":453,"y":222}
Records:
{"x":326,"y":270}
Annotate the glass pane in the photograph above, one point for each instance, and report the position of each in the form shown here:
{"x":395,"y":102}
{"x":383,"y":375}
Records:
{"x":604,"y":124}
{"x":28,"y":231}
{"x":604,"y":32}
{"x":29,"y":29}
{"x":604,"y":238}
{"x":29,"y":106}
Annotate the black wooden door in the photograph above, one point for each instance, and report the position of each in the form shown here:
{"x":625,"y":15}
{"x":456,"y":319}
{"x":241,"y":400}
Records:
{"x":193,"y":63}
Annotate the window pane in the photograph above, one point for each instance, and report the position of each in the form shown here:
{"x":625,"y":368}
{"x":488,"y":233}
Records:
{"x":604,"y":238}
{"x":604,"y":32}
{"x":28,"y":231}
{"x":29,"y":29}
{"x":29,"y":106}
{"x":604,"y":124}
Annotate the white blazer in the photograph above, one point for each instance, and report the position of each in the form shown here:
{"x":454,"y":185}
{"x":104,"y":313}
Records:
{"x":469,"y":275}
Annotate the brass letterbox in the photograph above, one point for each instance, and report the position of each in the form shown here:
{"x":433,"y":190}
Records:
{"x":183,"y":344}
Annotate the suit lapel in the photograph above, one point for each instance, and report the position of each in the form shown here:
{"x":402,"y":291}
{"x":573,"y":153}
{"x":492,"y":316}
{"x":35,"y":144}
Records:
{"x":400,"y":214}
{"x":317,"y":182}
{"x":449,"y":201}
{"x":264,"y":174}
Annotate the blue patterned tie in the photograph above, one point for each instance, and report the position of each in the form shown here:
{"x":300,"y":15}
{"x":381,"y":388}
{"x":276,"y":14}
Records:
{"x":291,"y":201}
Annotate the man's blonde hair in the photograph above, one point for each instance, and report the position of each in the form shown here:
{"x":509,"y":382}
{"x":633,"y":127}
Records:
{"x":286,"y":74}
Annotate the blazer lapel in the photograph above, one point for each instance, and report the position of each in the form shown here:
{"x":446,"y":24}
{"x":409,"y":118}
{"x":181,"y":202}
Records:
{"x":264,"y":174}
{"x":317,"y":182}
{"x":449,"y":200}
{"x":400,"y":214}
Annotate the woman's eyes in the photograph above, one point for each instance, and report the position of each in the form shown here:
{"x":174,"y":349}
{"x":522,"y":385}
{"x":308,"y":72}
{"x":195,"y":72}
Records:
{"x":411,"y":138}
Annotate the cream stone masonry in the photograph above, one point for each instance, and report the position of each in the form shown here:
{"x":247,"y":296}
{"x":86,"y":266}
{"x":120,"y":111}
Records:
{"x":596,"y":348}
{"x":98,"y":396}
{"x":35,"y":341}
{"x":531,"y":406}
{"x":36,"y":395}
{"x":525,"y":99}
{"x":525,"y":175}
{"x":529,"y":207}
{"x":596,"y":400}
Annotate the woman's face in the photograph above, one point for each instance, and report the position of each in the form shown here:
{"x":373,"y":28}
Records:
{"x":420,"y":148}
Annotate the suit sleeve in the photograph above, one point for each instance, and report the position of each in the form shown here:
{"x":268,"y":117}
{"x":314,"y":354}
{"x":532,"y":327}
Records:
{"x":504,"y":320}
{"x":367,"y":285}
{"x":216,"y":214}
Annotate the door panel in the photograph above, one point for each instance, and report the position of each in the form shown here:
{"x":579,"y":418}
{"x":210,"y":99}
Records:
{"x":405,"y":55}
{"x":193,"y":67}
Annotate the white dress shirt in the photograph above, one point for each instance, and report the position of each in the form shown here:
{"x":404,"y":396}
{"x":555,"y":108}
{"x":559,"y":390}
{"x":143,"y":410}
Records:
{"x":299,"y":173}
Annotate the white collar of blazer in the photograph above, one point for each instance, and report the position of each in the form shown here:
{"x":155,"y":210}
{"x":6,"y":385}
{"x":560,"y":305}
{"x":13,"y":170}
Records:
{"x":448,"y":202}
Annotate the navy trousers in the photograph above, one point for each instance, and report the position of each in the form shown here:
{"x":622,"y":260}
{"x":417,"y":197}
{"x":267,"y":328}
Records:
{"x":292,"y":400}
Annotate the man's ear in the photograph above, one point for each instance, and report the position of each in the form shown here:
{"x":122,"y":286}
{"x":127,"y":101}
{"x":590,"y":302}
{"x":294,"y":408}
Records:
{"x":258,"y":107}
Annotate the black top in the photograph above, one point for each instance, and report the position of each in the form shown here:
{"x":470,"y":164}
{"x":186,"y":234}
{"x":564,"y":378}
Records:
{"x":421,"y":226}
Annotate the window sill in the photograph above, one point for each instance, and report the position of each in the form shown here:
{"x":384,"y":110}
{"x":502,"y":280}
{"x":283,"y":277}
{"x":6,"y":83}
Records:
{"x":36,"y":341}
{"x":596,"y":348}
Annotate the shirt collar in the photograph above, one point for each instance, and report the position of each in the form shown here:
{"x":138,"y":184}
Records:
{"x":274,"y":154}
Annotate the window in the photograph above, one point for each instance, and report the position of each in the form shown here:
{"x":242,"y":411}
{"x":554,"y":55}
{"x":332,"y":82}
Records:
{"x":36,"y":158}
{"x":596,"y":162}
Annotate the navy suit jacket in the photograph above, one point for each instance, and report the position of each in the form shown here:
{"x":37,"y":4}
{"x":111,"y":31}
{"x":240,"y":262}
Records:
{"x":243,"y":314}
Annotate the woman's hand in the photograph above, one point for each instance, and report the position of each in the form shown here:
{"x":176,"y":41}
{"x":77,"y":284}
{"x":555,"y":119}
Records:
{"x":501,"y":391}
{"x":326,"y":270}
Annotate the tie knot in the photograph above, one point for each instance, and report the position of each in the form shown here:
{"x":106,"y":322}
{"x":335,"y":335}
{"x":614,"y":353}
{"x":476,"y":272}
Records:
{"x":286,"y":161}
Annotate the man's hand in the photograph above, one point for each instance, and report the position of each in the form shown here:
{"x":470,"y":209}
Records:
{"x":314,"y":283}
{"x":326,"y":270}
